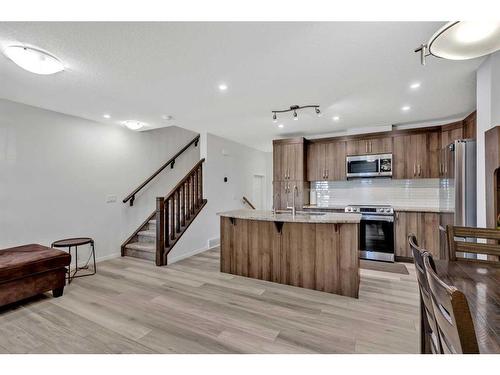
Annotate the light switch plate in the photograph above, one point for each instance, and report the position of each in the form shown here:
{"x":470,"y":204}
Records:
{"x":110,"y":198}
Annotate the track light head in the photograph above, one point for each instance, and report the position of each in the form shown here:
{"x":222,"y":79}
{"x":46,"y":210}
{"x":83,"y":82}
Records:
{"x":275,"y":118}
{"x":318,"y":112}
{"x":295,"y":115}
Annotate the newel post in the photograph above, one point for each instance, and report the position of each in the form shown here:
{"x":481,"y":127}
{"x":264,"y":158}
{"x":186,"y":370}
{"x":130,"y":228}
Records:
{"x":160,"y":230}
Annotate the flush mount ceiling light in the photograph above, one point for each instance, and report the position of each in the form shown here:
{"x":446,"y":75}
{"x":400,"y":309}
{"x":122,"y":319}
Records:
{"x":295,"y":108}
{"x":335,"y":118}
{"x":281,"y":126}
{"x":222,"y":87}
{"x":405,"y":108}
{"x":134,"y":124}
{"x":462,"y":40}
{"x":415,"y":85}
{"x":34,"y":60}
{"x":106,"y":115}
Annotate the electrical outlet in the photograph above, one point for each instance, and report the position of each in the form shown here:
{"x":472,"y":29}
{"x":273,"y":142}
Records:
{"x":111,"y":199}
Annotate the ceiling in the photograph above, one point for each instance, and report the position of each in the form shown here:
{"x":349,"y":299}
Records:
{"x":359,"y":71}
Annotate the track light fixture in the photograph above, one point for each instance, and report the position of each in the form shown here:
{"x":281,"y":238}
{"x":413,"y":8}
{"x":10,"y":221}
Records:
{"x":295,"y":108}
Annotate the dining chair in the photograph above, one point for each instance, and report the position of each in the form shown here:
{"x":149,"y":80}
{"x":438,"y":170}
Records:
{"x":429,"y":338}
{"x":491,"y":250}
{"x":453,"y":319}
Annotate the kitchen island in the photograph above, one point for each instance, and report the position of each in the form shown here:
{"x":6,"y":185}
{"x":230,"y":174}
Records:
{"x":310,"y":250}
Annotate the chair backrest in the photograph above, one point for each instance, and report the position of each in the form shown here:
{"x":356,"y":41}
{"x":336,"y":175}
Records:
{"x":453,"y":318}
{"x":425,"y":294}
{"x":490,"y":249}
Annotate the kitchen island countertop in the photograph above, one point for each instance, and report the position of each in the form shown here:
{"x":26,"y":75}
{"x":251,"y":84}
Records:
{"x":300,"y":217}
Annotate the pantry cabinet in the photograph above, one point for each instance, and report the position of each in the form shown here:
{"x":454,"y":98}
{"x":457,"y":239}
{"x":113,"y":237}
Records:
{"x":289,"y":170}
{"x":326,"y":161}
{"x":425,"y":226}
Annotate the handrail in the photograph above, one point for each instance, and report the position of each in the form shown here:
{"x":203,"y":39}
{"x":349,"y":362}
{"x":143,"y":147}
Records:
{"x":171,"y":162}
{"x":245,"y":200}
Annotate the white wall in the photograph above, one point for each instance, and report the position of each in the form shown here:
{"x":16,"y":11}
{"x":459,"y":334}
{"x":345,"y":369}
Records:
{"x":239,"y":164}
{"x":488,"y":116}
{"x":56,"y":172}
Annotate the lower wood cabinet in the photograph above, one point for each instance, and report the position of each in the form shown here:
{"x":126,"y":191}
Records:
{"x":425,"y":226}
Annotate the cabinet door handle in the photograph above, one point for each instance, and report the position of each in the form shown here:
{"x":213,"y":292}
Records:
{"x":419,"y":169}
{"x":371,"y":147}
{"x":397,"y":216}
{"x":366,"y":146}
{"x":327,"y":173}
{"x":414,"y":169}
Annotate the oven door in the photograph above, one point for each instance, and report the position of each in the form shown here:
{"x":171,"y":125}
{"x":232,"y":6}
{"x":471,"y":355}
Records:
{"x":377,"y":238}
{"x":362,"y":166}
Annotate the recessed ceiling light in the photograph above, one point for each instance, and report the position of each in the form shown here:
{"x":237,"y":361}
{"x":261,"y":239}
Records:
{"x":281,"y":126}
{"x":134,"y":124}
{"x":405,"y":108}
{"x":415,"y":85}
{"x":222,"y":87}
{"x":335,"y":118}
{"x":106,"y":115}
{"x":34,"y":60}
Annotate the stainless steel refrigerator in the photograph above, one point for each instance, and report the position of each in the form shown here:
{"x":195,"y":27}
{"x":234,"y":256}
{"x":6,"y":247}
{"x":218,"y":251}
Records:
{"x":460,"y":175}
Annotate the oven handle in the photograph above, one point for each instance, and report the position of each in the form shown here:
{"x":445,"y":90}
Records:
{"x":377,"y":218}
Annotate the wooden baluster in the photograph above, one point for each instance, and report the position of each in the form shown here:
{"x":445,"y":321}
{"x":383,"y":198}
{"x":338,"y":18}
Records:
{"x":177,"y":211}
{"x":166,"y":223}
{"x":201,"y":184}
{"x":182,"y":192}
{"x":195,"y":183}
{"x":192,"y":194}
{"x":160,"y":234}
{"x":172,"y":221}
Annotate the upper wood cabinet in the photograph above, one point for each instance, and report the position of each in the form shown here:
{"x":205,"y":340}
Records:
{"x":382,"y":145}
{"x":451,"y":132}
{"x":416,"y":155}
{"x":326,"y":161}
{"x":289,"y":160}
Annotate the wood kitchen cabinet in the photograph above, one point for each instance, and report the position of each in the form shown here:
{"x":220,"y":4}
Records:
{"x":326,"y":161}
{"x":451,"y":132}
{"x":382,"y":145}
{"x":289,"y":159}
{"x":416,"y":155}
{"x":425,"y":226}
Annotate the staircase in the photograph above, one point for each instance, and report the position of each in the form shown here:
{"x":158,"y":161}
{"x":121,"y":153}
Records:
{"x":159,"y":233}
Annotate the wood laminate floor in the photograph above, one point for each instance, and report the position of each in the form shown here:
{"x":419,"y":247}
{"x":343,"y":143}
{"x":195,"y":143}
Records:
{"x":131,"y":306}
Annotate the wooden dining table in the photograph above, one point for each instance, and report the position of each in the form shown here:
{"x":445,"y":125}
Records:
{"x":480,"y":282}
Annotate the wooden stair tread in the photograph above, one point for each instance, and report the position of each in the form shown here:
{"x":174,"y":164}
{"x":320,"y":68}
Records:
{"x":147,"y":233}
{"x":142,"y":246}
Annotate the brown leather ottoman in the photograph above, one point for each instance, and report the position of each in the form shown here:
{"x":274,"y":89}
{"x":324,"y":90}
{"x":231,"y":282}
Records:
{"x":29,"y":270}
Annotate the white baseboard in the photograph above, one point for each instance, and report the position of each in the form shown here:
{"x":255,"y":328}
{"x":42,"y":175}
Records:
{"x":190,"y":254}
{"x":107,"y":257}
{"x":214,"y":242}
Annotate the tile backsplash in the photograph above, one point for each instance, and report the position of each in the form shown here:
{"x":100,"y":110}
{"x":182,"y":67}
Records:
{"x":432,"y":193}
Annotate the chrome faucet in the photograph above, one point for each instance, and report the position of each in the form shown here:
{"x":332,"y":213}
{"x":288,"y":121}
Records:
{"x":294,"y":209}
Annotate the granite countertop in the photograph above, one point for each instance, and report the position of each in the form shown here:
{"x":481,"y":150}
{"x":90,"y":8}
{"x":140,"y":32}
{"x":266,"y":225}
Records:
{"x":395,"y":207}
{"x":300,"y":217}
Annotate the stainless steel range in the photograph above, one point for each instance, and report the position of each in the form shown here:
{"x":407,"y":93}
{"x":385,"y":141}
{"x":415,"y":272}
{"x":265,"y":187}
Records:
{"x":376,"y":232}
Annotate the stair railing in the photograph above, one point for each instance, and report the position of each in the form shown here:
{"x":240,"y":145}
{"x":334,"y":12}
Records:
{"x":171,"y":162}
{"x":245,"y":200}
{"x":175,"y":212}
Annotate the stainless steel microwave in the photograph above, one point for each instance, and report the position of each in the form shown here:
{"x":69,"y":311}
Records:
{"x":363,"y":166}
